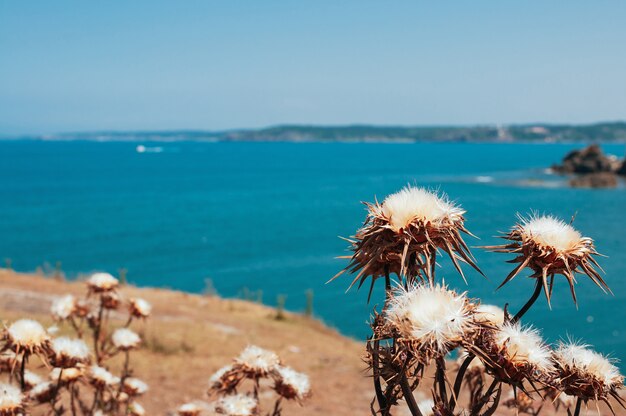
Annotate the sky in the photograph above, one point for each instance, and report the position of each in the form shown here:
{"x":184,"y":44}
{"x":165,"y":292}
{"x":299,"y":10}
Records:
{"x":161,"y":65}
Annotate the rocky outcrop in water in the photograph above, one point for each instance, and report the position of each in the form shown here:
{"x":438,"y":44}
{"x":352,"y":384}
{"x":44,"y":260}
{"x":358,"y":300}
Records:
{"x":591,"y":159}
{"x":592,"y":167}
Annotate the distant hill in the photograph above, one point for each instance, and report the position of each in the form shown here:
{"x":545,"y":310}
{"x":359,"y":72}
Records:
{"x":599,"y":132}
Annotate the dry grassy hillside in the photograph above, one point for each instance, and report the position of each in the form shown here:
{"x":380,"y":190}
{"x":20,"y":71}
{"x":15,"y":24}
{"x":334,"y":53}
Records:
{"x":190,"y":336}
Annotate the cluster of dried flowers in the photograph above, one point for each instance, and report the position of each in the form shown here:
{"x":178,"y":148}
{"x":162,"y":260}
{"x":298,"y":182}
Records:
{"x":257,"y":368}
{"x":422,"y":321}
{"x":71,"y":375}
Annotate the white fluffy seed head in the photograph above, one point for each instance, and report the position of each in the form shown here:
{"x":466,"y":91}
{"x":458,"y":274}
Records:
{"x":189,"y":409}
{"x":74,"y":349}
{"x":31,"y":379}
{"x":297,"y":383}
{"x":413,"y":203}
{"x":134,"y":387}
{"x":135,"y":409}
{"x":585,"y":360}
{"x":523,"y":346}
{"x":550,"y":232}
{"x":102,"y":376}
{"x":257,"y":359}
{"x":102,"y":282}
{"x":490,"y":314}
{"x":28,"y":334}
{"x":431,"y":315}
{"x":68,"y":374}
{"x":216,"y":378}
{"x":11,"y":399}
{"x":63,"y":307}
{"x":140,"y":307}
{"x":236,"y":405}
{"x":125,"y":339}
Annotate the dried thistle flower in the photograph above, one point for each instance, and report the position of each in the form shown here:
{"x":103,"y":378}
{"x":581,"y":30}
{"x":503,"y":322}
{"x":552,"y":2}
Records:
{"x":101,"y":378}
{"x":110,"y":300}
{"x":402,"y":235}
{"x":291,"y":384}
{"x":189,"y":409}
{"x":125,"y":339}
{"x":587,"y":374}
{"x":42,"y":392}
{"x":256,"y":362}
{"x":520,"y":401}
{"x":27,"y":336}
{"x":512,"y":353}
{"x":8,"y":360}
{"x":489,"y":314}
{"x":67,"y":352}
{"x":135,"y":409}
{"x":430,"y":320}
{"x":64,"y":307}
{"x":225,"y":379}
{"x":65,"y":375}
{"x":237,"y":405}
{"x":11,"y":400}
{"x":102,"y":282}
{"x":134,"y":386}
{"x":139,"y":308}
{"x":549,"y":246}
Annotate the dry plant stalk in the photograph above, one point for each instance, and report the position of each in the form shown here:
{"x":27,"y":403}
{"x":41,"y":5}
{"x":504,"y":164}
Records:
{"x":79,"y":381}
{"x":422,"y":322}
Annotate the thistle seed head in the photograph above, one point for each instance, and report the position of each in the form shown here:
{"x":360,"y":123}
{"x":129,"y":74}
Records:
{"x":11,"y":400}
{"x":549,"y":247}
{"x":64,"y":307}
{"x":431,"y":320}
{"x":403,"y":234}
{"x":257,"y":362}
{"x":27,"y":336}
{"x":125,"y":339}
{"x":67,"y":352}
{"x":139,"y":308}
{"x":237,"y":405}
{"x":291,"y":384}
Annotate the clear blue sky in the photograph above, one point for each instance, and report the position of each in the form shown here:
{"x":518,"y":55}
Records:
{"x":90,"y":65}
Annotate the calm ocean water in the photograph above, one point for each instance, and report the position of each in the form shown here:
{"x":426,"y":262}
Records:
{"x":267,"y":216}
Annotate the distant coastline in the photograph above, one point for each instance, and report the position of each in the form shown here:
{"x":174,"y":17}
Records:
{"x":605,"y":132}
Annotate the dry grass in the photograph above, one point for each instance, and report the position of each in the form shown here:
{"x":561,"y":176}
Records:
{"x":190,"y":336}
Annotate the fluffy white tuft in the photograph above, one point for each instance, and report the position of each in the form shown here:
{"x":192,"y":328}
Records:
{"x":258,"y":359}
{"x":299,"y":382}
{"x":63,"y":307}
{"x":189,"y":409}
{"x":412,"y":203}
{"x":524,"y":345}
{"x":31,"y":379}
{"x":237,"y":405}
{"x":135,"y":409}
{"x":135,"y":386}
{"x":217,"y":376}
{"x":491,"y":314}
{"x":27,"y":333}
{"x":141,"y":307}
{"x":586,"y":360}
{"x":125,"y":338}
{"x":431,"y":315}
{"x":68,"y":374}
{"x":10,"y":398}
{"x":103,"y":281}
{"x":103,"y":376}
{"x":549,"y":231}
{"x":71,"y":348}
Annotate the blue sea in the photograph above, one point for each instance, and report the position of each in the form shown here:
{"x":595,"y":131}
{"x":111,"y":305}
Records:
{"x":267,"y":216}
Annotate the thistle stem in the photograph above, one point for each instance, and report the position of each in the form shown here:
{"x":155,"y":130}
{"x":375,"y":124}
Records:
{"x":528,"y":304}
{"x":441,"y":379}
{"x":382,"y":401}
{"x":578,"y":405}
{"x":458,"y":382}
{"x":22,"y":371}
{"x":408,"y":396}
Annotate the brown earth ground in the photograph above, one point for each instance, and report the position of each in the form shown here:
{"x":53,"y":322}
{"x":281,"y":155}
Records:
{"x":190,"y":336}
